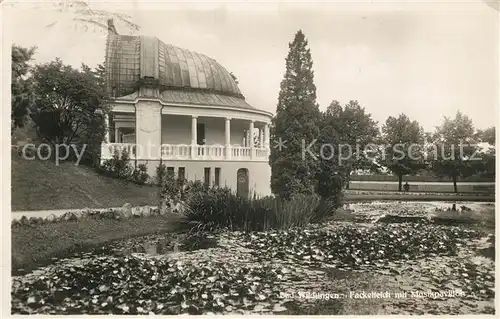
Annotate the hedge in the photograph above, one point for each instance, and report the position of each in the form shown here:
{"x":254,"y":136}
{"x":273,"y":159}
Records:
{"x":417,"y":178}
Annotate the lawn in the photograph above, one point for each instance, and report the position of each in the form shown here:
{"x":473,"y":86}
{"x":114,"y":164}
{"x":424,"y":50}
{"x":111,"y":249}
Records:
{"x":317,"y":269}
{"x":41,"y":185}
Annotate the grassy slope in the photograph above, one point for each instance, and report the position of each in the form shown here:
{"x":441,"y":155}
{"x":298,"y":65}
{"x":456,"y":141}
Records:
{"x":41,"y":185}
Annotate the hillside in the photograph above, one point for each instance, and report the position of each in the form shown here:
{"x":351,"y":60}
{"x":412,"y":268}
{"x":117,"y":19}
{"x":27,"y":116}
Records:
{"x":41,"y":185}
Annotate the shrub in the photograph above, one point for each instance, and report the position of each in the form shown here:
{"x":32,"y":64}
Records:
{"x":172,"y":188}
{"x":161,"y":174}
{"x":210,"y":208}
{"x":118,"y":166}
{"x":219,"y":208}
{"x":140,"y":174}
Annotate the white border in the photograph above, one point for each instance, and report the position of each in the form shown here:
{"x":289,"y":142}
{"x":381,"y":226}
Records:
{"x":375,"y":5}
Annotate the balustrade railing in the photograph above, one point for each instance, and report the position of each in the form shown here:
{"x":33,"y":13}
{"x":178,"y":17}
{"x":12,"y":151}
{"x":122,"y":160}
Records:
{"x":176,"y":151}
{"x":189,"y":152}
{"x":240,"y":152}
{"x":108,"y":150}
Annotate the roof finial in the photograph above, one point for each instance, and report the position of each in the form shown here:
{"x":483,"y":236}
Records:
{"x":111,"y":27}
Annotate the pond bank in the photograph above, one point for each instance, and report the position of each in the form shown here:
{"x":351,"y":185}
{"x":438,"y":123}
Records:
{"x":40,"y":244}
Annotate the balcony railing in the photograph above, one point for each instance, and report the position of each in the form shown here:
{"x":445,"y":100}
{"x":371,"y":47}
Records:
{"x":188,"y":152}
{"x":109,"y":149}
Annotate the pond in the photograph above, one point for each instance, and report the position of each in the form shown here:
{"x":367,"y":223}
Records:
{"x":256,"y":273}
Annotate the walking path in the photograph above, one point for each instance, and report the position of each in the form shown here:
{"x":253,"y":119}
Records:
{"x":46,"y":213}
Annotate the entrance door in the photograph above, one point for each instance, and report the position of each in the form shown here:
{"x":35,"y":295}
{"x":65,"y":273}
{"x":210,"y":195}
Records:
{"x":242,"y":183}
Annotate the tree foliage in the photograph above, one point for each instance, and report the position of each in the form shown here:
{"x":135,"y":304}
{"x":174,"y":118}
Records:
{"x":455,"y":142}
{"x":403,"y":149}
{"x":487,"y":136}
{"x":331,"y":175}
{"x":67,"y":103}
{"x":355,"y":130}
{"x":296,"y":122}
{"x":21,"y":84}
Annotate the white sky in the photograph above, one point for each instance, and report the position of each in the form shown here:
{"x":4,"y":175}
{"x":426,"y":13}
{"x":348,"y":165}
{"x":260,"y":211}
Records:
{"x":426,"y":60}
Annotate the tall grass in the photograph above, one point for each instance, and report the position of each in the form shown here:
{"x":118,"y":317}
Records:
{"x":220,"y":208}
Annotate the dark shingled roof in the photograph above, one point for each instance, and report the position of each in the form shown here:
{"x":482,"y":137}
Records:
{"x":182,"y":75}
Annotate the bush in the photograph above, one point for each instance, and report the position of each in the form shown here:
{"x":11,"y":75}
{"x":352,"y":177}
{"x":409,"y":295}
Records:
{"x":140,"y":174}
{"x":161,"y":174}
{"x":173,"y":188}
{"x":118,"y":166}
{"x":219,"y":208}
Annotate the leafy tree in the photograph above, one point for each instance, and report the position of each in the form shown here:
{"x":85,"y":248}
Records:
{"x":485,"y":165}
{"x":296,"y":122}
{"x":21,"y":84}
{"x":66,"y":103}
{"x":356,"y":130}
{"x":331,"y":175}
{"x":403,"y":150}
{"x":454,"y":144}
{"x":486,"y":136}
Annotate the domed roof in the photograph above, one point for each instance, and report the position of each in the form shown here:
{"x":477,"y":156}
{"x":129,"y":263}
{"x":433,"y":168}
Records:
{"x":132,"y":59}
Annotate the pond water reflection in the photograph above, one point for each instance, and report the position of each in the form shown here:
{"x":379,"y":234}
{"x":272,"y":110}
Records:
{"x":148,"y":248}
{"x":164,"y":244}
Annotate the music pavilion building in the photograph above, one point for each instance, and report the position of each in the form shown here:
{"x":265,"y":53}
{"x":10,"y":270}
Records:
{"x":185,"y":110}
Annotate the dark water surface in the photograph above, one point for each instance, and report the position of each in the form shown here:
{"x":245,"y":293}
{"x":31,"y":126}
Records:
{"x":152,"y":245}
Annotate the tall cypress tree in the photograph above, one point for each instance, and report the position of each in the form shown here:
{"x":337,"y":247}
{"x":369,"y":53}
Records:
{"x":295,"y":125}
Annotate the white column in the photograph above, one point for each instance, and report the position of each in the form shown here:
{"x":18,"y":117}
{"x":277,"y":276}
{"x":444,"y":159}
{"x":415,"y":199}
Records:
{"x":250,"y":139}
{"x":266,"y":135}
{"x":194,"y":134}
{"x":148,"y":129}
{"x":228,"y":138}
{"x":261,"y":138}
{"x":117,"y":134}
{"x":106,"y":122}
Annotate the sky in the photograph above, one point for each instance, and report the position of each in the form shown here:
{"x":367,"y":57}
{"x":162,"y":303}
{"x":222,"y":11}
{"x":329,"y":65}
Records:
{"x":424,"y":59}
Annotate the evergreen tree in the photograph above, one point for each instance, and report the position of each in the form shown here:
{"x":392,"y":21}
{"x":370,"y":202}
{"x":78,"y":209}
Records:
{"x":295,"y":125}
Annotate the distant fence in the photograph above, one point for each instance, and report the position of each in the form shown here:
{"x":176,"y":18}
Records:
{"x":409,"y":178}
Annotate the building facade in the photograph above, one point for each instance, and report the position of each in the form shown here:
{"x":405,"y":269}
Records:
{"x":183,"y":109}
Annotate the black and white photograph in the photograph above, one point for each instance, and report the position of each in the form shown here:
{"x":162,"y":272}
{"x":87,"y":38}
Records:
{"x":249,"y":158}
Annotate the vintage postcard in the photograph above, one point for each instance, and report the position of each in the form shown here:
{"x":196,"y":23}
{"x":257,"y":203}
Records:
{"x":250,"y":158}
